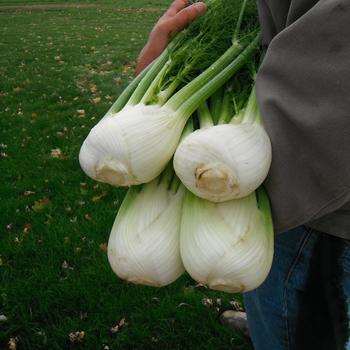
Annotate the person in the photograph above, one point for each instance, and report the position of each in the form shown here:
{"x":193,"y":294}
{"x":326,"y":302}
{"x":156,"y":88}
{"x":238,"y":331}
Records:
{"x":303,"y":87}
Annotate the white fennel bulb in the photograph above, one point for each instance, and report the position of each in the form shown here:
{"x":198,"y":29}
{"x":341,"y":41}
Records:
{"x":227,"y":246}
{"x":143,"y":246}
{"x":226,"y":161}
{"x":132,"y":146}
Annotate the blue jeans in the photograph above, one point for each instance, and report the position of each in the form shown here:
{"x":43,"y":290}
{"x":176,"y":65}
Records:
{"x":304,"y":302}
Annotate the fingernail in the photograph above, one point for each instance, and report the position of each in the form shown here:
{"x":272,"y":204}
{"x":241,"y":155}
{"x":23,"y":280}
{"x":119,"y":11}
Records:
{"x":201,"y":6}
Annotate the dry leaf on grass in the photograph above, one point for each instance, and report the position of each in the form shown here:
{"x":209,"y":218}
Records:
{"x":207,"y":302}
{"x":76,"y":337}
{"x":40,"y":204}
{"x":98,"y":197}
{"x":26,"y":228}
{"x":88,"y":217}
{"x":103,"y":247}
{"x":96,"y":100}
{"x":93,"y":88}
{"x":116,"y":328}
{"x":57,"y":153}
{"x":28,"y":193}
{"x":13,"y":343}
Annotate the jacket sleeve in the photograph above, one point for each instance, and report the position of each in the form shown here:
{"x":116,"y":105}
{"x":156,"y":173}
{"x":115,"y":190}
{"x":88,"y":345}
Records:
{"x":303,"y":90}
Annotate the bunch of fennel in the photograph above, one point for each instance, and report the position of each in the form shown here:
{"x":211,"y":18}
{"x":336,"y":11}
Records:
{"x":137,"y":138}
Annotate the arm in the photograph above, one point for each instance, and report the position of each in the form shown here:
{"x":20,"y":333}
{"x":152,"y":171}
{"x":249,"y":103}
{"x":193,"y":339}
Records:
{"x":174,"y":20}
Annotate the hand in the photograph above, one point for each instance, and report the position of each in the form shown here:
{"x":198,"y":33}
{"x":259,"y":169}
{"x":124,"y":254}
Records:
{"x":174,"y":20}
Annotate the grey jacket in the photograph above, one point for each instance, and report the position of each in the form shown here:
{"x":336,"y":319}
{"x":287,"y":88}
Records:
{"x":303,"y":89}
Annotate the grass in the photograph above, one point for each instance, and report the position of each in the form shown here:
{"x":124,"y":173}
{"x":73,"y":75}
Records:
{"x":61,"y":68}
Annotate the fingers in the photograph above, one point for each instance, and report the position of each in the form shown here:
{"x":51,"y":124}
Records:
{"x":175,"y":7}
{"x":187,"y":15}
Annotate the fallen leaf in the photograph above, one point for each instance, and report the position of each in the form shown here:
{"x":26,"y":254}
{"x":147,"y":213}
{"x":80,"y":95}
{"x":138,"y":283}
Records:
{"x":40,"y":204}
{"x":17,"y":89}
{"x":13,"y":343}
{"x":183,"y":304}
{"x":28,"y":193}
{"x":76,"y":337}
{"x":64,"y":265}
{"x":88,"y":217}
{"x":1,"y":261}
{"x":116,"y":328}
{"x":98,"y":197}
{"x":96,"y":100}
{"x":56,"y":153}
{"x":103,"y":247}
{"x":126,"y":68}
{"x":207,"y":302}
{"x":93,"y":88}
{"x":236,"y":305}
{"x":26,"y":228}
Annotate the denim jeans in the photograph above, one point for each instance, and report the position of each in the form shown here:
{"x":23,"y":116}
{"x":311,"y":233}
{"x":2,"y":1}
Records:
{"x":303,"y":303}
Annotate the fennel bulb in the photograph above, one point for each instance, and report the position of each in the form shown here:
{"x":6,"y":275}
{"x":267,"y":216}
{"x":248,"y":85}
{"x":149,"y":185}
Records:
{"x":227,"y":246}
{"x":143,"y":246}
{"x":133,"y":146}
{"x":226,"y":161}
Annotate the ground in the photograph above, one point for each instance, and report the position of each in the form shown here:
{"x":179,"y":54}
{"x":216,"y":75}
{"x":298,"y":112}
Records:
{"x":61,"y":66}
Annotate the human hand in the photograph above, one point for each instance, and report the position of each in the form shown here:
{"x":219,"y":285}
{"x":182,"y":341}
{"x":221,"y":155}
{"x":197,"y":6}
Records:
{"x":174,"y":20}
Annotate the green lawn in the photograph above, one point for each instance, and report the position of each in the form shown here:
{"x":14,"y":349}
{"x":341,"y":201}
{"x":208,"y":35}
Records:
{"x":60,"y":70}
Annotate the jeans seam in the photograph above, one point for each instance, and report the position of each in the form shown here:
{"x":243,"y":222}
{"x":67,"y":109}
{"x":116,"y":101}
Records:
{"x":308,"y":233}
